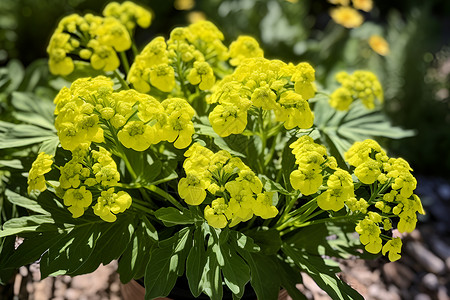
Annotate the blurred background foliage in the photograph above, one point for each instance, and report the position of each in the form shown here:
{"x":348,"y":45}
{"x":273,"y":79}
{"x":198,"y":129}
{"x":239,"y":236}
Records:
{"x":415,"y":74}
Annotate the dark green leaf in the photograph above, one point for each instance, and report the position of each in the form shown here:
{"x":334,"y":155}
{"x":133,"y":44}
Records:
{"x":196,"y":262}
{"x":165,"y":263}
{"x":262,"y":270}
{"x":267,"y":239}
{"x":236,"y":272}
{"x":240,"y":240}
{"x":323,"y":272}
{"x":289,"y":278}
{"x":172,"y":216}
{"x":133,"y":261}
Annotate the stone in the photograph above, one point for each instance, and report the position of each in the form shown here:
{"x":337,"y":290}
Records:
{"x":400,"y":275}
{"x":430,"y":281}
{"x":425,"y":258}
{"x":422,"y":296}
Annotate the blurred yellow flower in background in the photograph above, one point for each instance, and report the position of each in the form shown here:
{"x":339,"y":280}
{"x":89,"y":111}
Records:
{"x":365,"y":5}
{"x":346,"y":16}
{"x":379,"y":45}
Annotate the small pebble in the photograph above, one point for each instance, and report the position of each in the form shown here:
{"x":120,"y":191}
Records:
{"x":426,"y":258}
{"x":431,"y":282}
{"x":422,"y":296}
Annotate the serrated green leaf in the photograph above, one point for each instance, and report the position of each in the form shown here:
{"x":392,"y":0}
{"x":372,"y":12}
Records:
{"x":165,"y":263}
{"x":136,"y":256}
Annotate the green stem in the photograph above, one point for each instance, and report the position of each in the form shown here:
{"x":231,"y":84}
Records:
{"x":332,"y":219}
{"x":134,"y":49}
{"x":122,"y":81}
{"x":124,"y":59}
{"x":142,"y":208}
{"x":165,"y":195}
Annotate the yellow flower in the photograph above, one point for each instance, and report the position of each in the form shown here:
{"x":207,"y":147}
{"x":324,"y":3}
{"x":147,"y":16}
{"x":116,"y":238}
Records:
{"x":112,"y":33}
{"x":192,"y":189}
{"x":369,"y":235}
{"x":307,"y":182}
{"x":60,"y":64}
{"x":244,"y":47}
{"x":341,"y":99}
{"x":136,"y":135}
{"x":129,"y":13}
{"x":303,"y":79}
{"x":109,"y":204}
{"x":42,"y":165}
{"x":215,"y":214}
{"x":379,"y":45}
{"x":294,"y":111}
{"x":105,"y":58}
{"x":241,"y":202}
{"x":394,"y":248}
{"x":77,"y":200}
{"x":346,"y":16}
{"x":365,"y":5}
{"x":202,"y":74}
{"x":264,"y":97}
{"x":228,"y":119}
{"x":333,"y":199}
{"x":163,"y":77}
{"x":368,"y":171}
{"x":263,"y":206}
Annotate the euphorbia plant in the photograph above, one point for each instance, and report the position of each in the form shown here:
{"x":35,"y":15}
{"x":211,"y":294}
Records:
{"x":205,"y":161}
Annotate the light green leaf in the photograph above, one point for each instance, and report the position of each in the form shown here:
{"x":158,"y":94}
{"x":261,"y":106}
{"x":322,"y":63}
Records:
{"x":25,"y":202}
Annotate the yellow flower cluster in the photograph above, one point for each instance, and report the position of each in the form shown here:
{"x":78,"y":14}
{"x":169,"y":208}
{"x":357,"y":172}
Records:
{"x":129,"y":14}
{"x":90,"y":172}
{"x":190,"y":55}
{"x":244,"y":47}
{"x":238,"y":193}
{"x":348,"y":16}
{"x":363,"y":85}
{"x":138,"y":120}
{"x":41,"y":166}
{"x":374,"y":167}
{"x":95,"y":38}
{"x":264,"y":84}
{"x":313,"y":167}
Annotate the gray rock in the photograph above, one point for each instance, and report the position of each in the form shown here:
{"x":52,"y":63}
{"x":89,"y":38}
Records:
{"x":426,"y":258}
{"x":430,"y":281}
{"x":440,"y":247}
{"x":422,"y":296}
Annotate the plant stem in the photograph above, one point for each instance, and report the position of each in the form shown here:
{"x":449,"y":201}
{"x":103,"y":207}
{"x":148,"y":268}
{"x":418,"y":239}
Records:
{"x":122,"y":81}
{"x":124,"y":59}
{"x":142,"y":208}
{"x":165,"y":195}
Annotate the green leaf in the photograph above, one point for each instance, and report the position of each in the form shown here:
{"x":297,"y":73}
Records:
{"x":6,"y":250}
{"x":236,"y":272}
{"x":272,"y":186}
{"x":35,"y":223}
{"x":133,"y":261}
{"x":262,"y":270}
{"x":172,"y":216}
{"x":33,"y":110}
{"x":241,"y":241}
{"x":25,"y":202}
{"x":323,"y":272}
{"x":165,"y":264}
{"x":13,"y":164}
{"x":18,"y":135}
{"x":196,"y":262}
{"x":49,"y":146}
{"x":267,"y":239}
{"x":289,"y":278}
